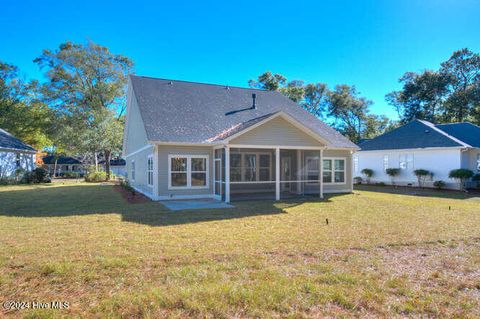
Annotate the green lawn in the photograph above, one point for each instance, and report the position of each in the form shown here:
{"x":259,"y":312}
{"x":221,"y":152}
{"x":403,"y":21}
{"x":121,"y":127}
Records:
{"x":382,"y":255}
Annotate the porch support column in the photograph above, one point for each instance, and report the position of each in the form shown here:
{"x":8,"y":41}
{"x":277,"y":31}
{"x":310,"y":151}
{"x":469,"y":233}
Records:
{"x":155,"y":172}
{"x":277,"y":173}
{"x":299,"y":173}
{"x":227,"y":174}
{"x":321,"y":173}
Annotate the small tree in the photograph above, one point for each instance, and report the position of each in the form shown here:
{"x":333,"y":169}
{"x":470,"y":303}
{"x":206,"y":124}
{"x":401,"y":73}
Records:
{"x":439,"y":184}
{"x":422,"y":175}
{"x":368,"y":174}
{"x":461,"y":175}
{"x":392,"y":172}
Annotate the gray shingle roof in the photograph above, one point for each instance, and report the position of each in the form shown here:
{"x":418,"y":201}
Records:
{"x":9,"y":141}
{"x":423,"y":134}
{"x":188,"y":112}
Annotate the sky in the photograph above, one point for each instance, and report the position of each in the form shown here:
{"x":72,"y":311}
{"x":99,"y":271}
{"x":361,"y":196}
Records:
{"x":369,"y":44}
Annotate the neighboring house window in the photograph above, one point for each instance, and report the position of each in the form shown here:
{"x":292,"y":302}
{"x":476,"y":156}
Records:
{"x":355,"y":164}
{"x":334,"y":169}
{"x":478,"y":162}
{"x":406,"y":161}
{"x":385,"y":162}
{"x":18,"y":161}
{"x":150,"y":170}
{"x":133,"y":170}
{"x":188,"y":171}
{"x":313,"y":170}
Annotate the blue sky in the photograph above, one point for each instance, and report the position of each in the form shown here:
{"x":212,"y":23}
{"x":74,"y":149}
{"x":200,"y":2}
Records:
{"x":369,"y":44}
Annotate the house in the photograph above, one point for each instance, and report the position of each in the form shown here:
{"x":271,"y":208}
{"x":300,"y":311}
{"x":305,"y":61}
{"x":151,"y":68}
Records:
{"x":421,"y":145}
{"x":117,"y":167}
{"x":186,"y":140}
{"x":14,"y":155}
{"x":62,"y":165}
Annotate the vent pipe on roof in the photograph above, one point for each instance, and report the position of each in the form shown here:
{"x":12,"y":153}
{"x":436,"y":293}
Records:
{"x":254,"y":97}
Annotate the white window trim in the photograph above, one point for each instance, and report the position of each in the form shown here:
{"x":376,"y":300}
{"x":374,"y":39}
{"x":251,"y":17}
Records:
{"x":333,"y":170}
{"x":150,"y":157}
{"x":133,"y":169}
{"x":406,"y":161}
{"x":188,"y":172}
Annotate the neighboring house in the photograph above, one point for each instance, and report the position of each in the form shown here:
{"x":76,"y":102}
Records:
{"x":193,"y":140}
{"x":14,"y":155}
{"x":421,"y":145}
{"x":64,"y":164}
{"x":117,"y":167}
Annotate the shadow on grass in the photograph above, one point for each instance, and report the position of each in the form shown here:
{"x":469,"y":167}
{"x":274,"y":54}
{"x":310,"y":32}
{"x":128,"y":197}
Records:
{"x":415,"y":191}
{"x":90,"y":199}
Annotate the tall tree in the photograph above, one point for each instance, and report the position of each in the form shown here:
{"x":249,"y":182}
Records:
{"x":349,"y":111}
{"x":421,"y":97}
{"x":86,"y":84}
{"x":315,"y":99}
{"x":21,"y":113}
{"x":463,"y":70}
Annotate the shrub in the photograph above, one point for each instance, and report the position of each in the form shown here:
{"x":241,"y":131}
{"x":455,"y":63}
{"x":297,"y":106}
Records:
{"x":461,"y":175}
{"x":422,"y":175}
{"x":125,"y":184}
{"x":368,"y":174}
{"x":392,"y":172}
{"x":439,"y":184}
{"x":7,"y":180}
{"x":36,"y":176}
{"x":476,"y":178}
{"x":94,"y":176}
{"x":358,"y":180}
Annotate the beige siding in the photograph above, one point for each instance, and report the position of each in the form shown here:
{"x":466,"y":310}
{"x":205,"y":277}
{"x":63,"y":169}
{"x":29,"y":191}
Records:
{"x":140,"y":159}
{"x":136,"y":137}
{"x":347,"y":187}
{"x":276,"y":132}
{"x":164,"y":151}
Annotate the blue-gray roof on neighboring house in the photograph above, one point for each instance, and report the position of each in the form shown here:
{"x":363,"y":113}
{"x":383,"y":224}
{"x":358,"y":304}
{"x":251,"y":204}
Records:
{"x":8,"y":141}
{"x":466,"y":132}
{"x":188,"y":112}
{"x":64,"y":160}
{"x":423,"y":134}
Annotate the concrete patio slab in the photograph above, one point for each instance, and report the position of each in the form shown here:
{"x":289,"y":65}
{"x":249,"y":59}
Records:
{"x":194,"y":204}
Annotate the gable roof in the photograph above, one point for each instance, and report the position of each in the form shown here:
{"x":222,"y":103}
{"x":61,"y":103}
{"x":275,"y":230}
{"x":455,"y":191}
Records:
{"x":65,"y":160}
{"x":8,"y":141}
{"x":423,"y":134}
{"x":188,"y":112}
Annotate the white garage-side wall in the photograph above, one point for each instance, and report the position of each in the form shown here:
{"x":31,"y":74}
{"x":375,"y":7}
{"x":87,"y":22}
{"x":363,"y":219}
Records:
{"x":438,"y":161}
{"x":8,"y":162}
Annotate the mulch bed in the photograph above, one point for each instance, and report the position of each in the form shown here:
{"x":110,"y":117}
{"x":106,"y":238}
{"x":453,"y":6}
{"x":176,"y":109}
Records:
{"x":132,"y":198}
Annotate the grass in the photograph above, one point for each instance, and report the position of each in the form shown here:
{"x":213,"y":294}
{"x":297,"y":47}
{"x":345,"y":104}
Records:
{"x":382,"y":255}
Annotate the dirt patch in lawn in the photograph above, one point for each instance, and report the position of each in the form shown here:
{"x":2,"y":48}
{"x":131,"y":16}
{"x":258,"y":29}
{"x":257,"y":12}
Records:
{"x":132,"y":197}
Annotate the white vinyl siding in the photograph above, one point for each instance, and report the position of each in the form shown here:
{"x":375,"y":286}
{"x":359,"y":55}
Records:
{"x":406,"y":161}
{"x":132,"y":171}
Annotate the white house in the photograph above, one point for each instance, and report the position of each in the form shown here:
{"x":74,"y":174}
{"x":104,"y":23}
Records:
{"x":61,"y":165}
{"x":14,"y":154}
{"x":193,"y":140}
{"x":421,"y":145}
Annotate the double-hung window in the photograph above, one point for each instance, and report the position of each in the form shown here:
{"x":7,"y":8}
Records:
{"x":385,"y":163}
{"x":150,"y":170}
{"x":188,"y":171}
{"x":334,"y":171}
{"x":406,"y":161}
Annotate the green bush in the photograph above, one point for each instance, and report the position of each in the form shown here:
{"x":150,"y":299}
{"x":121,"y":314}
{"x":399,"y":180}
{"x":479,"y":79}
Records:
{"x":439,"y":184}
{"x":358,"y":180}
{"x":392,"y":172}
{"x":476,"y":178}
{"x":36,"y":176}
{"x":125,"y":184}
{"x":461,"y":175}
{"x":94,"y":176}
{"x":368,"y":174}
{"x":71,"y":175}
{"x":422,"y":175}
